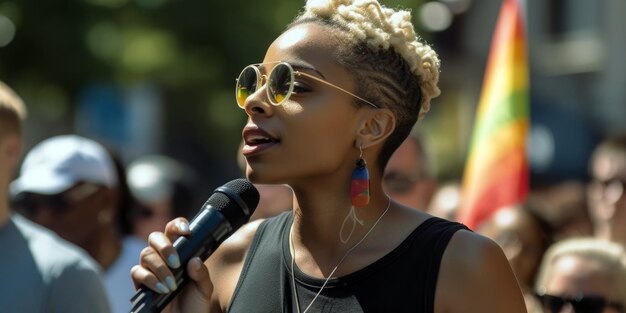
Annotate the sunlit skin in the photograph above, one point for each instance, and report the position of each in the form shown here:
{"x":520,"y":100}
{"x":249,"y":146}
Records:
{"x":317,"y":133}
{"x":573,"y":275}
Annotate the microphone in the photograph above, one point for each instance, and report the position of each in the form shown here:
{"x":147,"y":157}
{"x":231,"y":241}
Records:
{"x":229,"y":207}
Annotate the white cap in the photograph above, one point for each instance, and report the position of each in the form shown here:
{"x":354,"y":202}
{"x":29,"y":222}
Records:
{"x":151,"y":178}
{"x":58,"y":163}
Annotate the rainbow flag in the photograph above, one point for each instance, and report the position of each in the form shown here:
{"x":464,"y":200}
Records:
{"x":496,"y":171}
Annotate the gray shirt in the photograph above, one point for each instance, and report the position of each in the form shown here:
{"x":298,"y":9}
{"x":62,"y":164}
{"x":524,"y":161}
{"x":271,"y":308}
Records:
{"x":40,"y":272}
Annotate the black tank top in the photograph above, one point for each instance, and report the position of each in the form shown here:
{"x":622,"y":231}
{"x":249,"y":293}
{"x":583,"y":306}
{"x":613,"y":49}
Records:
{"x":404,"y":280}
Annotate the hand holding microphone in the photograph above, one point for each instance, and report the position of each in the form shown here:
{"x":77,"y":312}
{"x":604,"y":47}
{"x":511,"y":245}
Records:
{"x":227,"y":209}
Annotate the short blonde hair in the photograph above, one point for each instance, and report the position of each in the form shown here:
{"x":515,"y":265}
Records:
{"x":12,"y":111}
{"x":393,"y":66}
{"x":383,"y":28}
{"x":609,"y":255}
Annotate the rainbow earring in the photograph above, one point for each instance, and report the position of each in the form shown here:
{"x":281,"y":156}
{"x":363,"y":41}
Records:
{"x":360,"y":187}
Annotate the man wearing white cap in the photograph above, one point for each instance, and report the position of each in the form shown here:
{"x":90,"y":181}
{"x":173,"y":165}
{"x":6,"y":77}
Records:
{"x":69,"y":184}
{"x":40,"y":272}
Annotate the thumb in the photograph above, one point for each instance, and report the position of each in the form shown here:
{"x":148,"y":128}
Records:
{"x":199,"y":273}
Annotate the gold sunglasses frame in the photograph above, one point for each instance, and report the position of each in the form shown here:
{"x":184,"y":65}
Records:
{"x":293,"y":73}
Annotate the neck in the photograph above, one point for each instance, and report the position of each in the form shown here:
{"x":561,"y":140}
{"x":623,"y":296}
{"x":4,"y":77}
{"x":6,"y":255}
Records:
{"x":320,"y":209}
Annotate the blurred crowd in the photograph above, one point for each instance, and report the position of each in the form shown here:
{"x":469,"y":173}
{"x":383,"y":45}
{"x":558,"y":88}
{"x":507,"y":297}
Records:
{"x":75,"y":211}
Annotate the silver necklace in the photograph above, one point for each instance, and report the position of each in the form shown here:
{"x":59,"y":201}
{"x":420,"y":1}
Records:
{"x":293,"y":257}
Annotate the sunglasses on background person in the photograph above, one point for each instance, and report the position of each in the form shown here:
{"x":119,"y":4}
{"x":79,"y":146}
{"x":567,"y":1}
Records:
{"x":399,"y":183}
{"x":611,"y":189}
{"x":580,"y":304}
{"x":280,"y":83}
{"x":31,"y":203}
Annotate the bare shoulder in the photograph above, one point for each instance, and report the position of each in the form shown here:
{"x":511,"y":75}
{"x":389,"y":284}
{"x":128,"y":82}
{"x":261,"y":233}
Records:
{"x":228,"y":261}
{"x":475,"y":276}
{"x":233,"y":249}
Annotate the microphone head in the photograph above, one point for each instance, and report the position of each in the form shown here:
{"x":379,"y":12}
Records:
{"x":237,"y":200}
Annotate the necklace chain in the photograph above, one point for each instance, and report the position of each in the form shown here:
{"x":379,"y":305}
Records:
{"x":293,"y":257}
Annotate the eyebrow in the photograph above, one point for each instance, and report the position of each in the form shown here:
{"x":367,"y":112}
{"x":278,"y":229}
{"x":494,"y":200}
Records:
{"x":301,"y":66}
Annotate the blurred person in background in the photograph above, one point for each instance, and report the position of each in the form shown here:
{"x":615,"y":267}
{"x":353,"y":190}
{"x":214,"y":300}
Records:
{"x":164,"y":188}
{"x":408,"y":176}
{"x":568,"y":213}
{"x":118,"y":283}
{"x":40,"y":272}
{"x":70,"y":184}
{"x":583,"y":275}
{"x":607,"y":198}
{"x":524,"y":236}
{"x":446,"y":200}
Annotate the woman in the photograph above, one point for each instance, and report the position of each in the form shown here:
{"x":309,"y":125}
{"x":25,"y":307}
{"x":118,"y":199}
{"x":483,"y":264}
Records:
{"x":360,"y":80}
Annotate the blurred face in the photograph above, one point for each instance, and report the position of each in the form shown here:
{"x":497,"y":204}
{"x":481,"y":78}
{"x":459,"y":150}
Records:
{"x":520,"y":239}
{"x":607,"y":197}
{"x":9,"y":157}
{"x":152,"y":217}
{"x":312,"y":133}
{"x":74,"y":214}
{"x":404,"y":181}
{"x":576,"y":277}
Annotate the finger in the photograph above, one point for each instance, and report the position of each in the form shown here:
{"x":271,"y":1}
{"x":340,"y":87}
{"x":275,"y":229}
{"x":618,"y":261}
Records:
{"x":199,"y":274}
{"x":176,"y":228}
{"x":143,"y":277}
{"x":152,"y":261}
{"x":162,"y":244}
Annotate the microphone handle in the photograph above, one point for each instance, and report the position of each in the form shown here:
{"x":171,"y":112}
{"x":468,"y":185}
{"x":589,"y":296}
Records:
{"x":208,"y":230}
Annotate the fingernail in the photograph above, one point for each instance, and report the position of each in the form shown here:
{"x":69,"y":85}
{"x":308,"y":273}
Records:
{"x":173,"y":261}
{"x":170,"y":282}
{"x":196,"y":263}
{"x":183,"y":226}
{"x":162,"y":288}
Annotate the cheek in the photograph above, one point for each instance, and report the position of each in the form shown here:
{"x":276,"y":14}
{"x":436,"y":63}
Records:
{"x":324,"y":138}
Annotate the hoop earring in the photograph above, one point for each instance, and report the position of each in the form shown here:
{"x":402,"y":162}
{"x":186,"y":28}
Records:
{"x":360,"y":190}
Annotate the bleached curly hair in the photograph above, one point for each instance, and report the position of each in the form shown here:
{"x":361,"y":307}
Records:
{"x":394,"y":68}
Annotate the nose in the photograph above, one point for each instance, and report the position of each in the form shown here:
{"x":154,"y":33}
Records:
{"x":257,"y":103}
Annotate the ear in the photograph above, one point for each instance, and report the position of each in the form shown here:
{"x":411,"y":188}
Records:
{"x":376,"y":126}
{"x":12,"y":149}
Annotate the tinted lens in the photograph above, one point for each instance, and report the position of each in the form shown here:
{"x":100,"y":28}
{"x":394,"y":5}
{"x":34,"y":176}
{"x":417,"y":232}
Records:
{"x":280,"y":83}
{"x":552,"y":304}
{"x":589,"y":305}
{"x":398,"y":183}
{"x":30,"y":204}
{"x":246,"y":84}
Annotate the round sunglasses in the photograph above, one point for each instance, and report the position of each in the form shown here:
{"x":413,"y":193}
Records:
{"x":280,"y":83}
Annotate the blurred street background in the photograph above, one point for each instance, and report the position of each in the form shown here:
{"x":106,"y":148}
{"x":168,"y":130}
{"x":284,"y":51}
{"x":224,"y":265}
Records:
{"x":157,"y":76}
